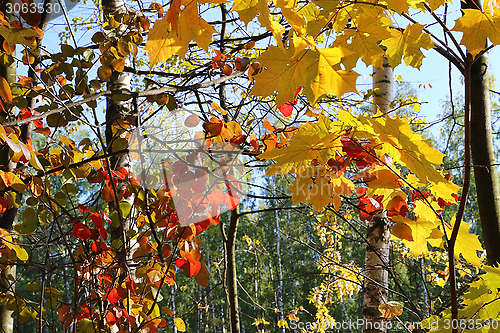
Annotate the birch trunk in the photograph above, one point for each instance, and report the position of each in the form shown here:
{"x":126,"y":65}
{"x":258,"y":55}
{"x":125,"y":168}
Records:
{"x":115,"y":111}
{"x":378,"y":233}
{"x":280,"y":271}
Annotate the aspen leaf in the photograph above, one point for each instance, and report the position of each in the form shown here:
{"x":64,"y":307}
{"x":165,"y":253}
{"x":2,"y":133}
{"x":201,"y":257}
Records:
{"x":179,"y":324}
{"x":391,"y":309}
{"x":20,"y":252}
{"x":192,"y":121}
{"x":118,"y":64}
{"x":20,"y":36}
{"x":32,"y":286}
{"x":166,"y":310}
{"x":203,"y":276}
{"x":5,"y":92}
{"x":104,"y":73}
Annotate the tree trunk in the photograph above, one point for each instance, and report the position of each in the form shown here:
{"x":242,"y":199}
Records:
{"x":115,"y":111}
{"x":280,"y":271}
{"x":378,"y":234}
{"x":483,"y":154}
{"x":7,"y":275}
{"x":383,"y":87}
{"x":376,"y":274}
{"x":231,"y":275}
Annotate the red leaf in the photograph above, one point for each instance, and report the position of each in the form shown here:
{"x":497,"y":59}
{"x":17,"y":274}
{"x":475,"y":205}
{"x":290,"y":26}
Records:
{"x":110,"y":318}
{"x":216,"y":197}
{"x":287,"y":108}
{"x":130,"y":284}
{"x":181,"y":262}
{"x":102,"y":232}
{"x":194,"y":266}
{"x":3,"y":205}
{"x":231,"y":200}
{"x":81,"y":231}
{"x":112,"y":295}
{"x":96,"y":219}
{"x":369,"y":206}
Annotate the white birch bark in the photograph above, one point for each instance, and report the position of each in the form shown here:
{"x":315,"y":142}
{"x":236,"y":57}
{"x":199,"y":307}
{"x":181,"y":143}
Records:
{"x":378,"y":233}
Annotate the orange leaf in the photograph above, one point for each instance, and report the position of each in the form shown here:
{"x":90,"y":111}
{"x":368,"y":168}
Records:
{"x":249,"y":45}
{"x":213,"y":128}
{"x":231,"y":200}
{"x":108,"y":194}
{"x":5,"y":92}
{"x":8,"y":48}
{"x":203,"y":275}
{"x":227,"y":70}
{"x":391,"y":309}
{"x":112,"y":295}
{"x":193,"y":267}
{"x":110,"y":318}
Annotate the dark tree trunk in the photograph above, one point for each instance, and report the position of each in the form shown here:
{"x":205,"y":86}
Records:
{"x":483,"y":154}
{"x":7,"y":275}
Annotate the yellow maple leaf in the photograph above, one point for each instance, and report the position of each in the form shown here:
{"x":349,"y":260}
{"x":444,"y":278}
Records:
{"x":292,"y":16}
{"x":467,"y":244}
{"x":414,"y":152}
{"x":421,"y":231}
{"x":283,"y":73}
{"x":407,"y":43}
{"x":248,"y":10}
{"x":330,"y":80}
{"x":476,"y":27}
{"x":287,"y":70}
{"x":166,"y":38}
{"x":320,"y":195}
